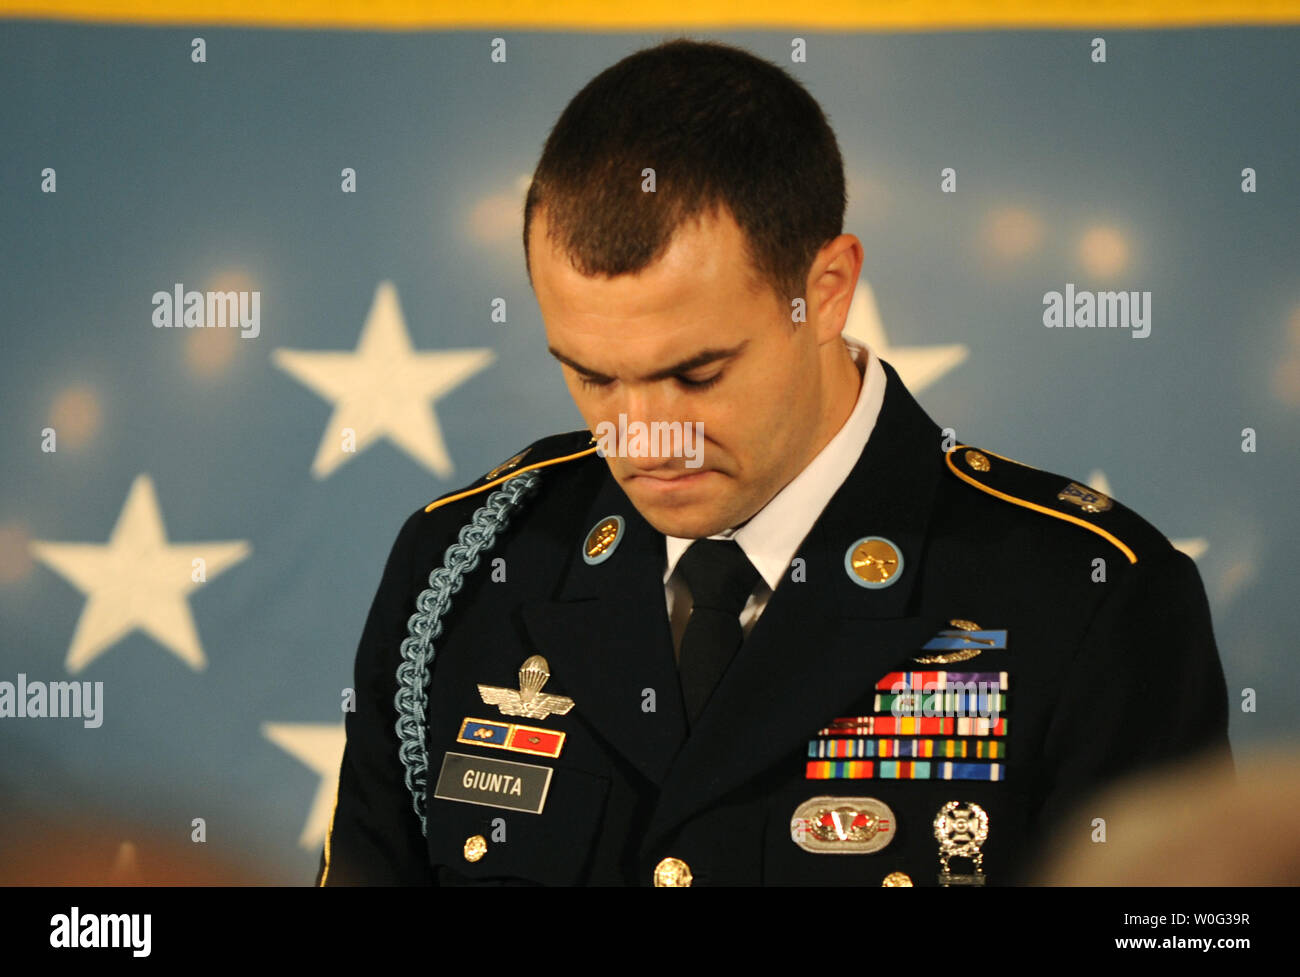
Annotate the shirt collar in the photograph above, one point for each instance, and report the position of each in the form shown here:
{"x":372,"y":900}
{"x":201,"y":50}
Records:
{"x":772,"y":536}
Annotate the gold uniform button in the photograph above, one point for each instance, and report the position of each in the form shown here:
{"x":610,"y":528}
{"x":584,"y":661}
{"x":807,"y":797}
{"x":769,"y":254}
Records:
{"x":672,"y":873}
{"x":896,"y":880}
{"x":977,"y":460}
{"x":475,"y":848}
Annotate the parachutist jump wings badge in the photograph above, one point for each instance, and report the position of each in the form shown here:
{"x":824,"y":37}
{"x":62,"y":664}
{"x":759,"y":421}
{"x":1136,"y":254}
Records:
{"x":529,"y":700}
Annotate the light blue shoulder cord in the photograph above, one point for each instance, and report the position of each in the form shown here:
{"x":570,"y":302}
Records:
{"x":425,"y":626}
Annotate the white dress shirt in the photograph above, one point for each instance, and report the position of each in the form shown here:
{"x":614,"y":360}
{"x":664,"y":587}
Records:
{"x":772,"y":536}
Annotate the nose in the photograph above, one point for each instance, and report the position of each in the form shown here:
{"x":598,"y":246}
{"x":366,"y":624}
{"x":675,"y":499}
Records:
{"x":648,"y":446}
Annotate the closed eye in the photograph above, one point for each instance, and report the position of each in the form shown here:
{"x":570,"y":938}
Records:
{"x":700,"y":384}
{"x":592,"y":383}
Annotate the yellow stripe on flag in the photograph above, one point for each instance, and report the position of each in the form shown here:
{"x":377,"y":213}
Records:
{"x":678,"y":15}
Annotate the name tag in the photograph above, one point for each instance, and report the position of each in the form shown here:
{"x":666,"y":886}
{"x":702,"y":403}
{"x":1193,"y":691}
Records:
{"x":493,"y":783}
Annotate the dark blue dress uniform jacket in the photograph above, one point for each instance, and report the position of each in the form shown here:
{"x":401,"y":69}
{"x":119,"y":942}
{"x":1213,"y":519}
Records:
{"x":1105,"y":678}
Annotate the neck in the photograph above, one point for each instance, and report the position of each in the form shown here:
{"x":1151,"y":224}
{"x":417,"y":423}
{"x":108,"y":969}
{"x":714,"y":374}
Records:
{"x":844,"y":383}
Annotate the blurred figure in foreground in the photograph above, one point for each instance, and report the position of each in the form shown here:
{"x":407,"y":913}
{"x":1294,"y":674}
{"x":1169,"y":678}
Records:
{"x":1195,"y":824}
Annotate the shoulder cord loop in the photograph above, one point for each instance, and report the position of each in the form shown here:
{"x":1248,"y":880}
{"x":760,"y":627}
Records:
{"x":425,"y":626}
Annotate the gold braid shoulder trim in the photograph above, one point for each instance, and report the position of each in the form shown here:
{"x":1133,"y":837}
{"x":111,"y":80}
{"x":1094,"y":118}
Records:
{"x":1056,"y":496}
{"x":511,"y":467}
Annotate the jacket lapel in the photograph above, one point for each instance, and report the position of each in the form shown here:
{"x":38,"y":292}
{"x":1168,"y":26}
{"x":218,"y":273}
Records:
{"x":821,"y":643}
{"x":608,"y":641}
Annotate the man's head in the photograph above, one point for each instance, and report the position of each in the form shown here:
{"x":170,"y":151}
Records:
{"x":676,"y":305}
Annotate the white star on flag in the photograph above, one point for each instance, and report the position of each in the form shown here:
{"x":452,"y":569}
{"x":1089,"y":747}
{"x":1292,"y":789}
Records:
{"x":917,"y":366}
{"x":385,"y":388}
{"x":320,"y":747}
{"x":1193,"y":546}
{"x":137,"y":580}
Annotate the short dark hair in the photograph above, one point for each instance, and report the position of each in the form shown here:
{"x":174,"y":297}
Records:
{"x":722,"y":129}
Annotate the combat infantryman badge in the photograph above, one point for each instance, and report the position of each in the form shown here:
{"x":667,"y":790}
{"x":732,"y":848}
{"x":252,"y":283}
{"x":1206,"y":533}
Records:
{"x":962,"y":644}
{"x":960,"y":829}
{"x":529,"y":700}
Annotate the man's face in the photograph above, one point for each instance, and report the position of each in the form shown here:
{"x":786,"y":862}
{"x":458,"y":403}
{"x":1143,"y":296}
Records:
{"x":686,"y":340}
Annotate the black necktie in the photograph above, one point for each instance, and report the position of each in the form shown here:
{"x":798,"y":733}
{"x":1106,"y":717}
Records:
{"x":721,"y":579}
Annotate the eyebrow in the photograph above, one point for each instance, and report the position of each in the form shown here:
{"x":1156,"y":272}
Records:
{"x":702,"y":358}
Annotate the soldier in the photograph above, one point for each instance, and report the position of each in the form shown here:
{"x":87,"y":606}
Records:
{"x":758,"y":614}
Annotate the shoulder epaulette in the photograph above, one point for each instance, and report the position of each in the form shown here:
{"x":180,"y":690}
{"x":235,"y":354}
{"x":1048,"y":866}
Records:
{"x":552,"y":450}
{"x":1056,"y":496}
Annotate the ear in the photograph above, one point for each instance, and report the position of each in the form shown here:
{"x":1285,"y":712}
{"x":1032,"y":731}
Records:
{"x":832,"y":280}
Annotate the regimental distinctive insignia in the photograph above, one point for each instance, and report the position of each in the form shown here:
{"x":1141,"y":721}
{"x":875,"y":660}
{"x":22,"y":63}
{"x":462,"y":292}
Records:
{"x":506,"y":465}
{"x":602,"y":540}
{"x":511,"y":736}
{"x":1089,"y":500}
{"x":962,"y":644}
{"x":842,"y":825}
{"x":961,"y":828}
{"x":529,"y":701}
{"x":493,"y":783}
{"x":978,"y":460}
{"x":873,"y":562}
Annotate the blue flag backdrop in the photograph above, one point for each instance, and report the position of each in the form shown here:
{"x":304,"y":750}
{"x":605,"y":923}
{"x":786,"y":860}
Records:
{"x":187,"y":532}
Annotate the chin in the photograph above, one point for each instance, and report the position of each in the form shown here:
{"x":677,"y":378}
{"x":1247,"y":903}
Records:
{"x":685,"y":522}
